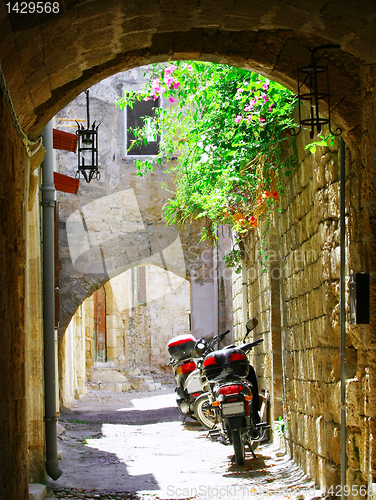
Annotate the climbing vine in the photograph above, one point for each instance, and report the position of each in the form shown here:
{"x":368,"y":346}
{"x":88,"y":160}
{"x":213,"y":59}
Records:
{"x":227,"y":127}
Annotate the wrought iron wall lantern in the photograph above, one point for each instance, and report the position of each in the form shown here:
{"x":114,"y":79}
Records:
{"x":316,"y":79}
{"x":87,"y":148}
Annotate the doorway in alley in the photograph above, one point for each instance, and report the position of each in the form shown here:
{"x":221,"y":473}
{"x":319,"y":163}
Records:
{"x":99,"y":299}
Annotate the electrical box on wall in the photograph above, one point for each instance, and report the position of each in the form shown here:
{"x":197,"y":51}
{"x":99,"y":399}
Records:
{"x":359,"y":298}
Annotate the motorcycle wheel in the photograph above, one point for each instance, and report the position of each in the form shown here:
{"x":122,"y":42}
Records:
{"x":239,"y":449}
{"x":204,"y":412}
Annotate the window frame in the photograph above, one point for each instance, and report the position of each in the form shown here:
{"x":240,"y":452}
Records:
{"x":157,"y":103}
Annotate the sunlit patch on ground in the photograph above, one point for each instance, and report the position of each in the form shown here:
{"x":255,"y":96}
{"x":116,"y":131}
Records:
{"x":137,"y":443}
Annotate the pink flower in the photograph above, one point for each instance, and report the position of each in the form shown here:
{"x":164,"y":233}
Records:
{"x":264,"y":97}
{"x":239,"y":90}
{"x":270,"y":107}
{"x":147,"y":98}
{"x":189,"y":67}
{"x":238,"y":119}
{"x":171,"y":99}
{"x":249,"y":118}
{"x":265,"y":86}
{"x":250,"y":106}
{"x":176,"y":85}
{"x":155,"y":97}
{"x":262,"y":120}
{"x":168,"y":80}
{"x":155,"y":84}
{"x":170,"y":69}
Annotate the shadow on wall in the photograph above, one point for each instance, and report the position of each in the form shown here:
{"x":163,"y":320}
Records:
{"x":108,"y":235}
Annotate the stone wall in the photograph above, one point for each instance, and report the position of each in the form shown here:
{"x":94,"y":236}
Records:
{"x":21,"y":356}
{"x":297,"y":293}
{"x":143,"y":326}
{"x":263,"y":303}
{"x":34,"y":339}
{"x":75,"y":354}
{"x":309,"y":235}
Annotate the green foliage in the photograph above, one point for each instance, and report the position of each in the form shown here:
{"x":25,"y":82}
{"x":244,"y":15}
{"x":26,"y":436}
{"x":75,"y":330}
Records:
{"x":227,"y":126}
{"x":280,"y":426}
{"x":322,"y":142}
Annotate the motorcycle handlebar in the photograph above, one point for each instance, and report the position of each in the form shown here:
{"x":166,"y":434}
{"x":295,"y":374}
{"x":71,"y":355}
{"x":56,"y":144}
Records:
{"x":248,"y":347}
{"x":223,"y":335}
{"x":216,"y":338}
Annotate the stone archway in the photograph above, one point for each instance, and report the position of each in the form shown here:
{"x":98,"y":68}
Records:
{"x":97,"y":41}
{"x":47,"y":61}
{"x":116,"y":223}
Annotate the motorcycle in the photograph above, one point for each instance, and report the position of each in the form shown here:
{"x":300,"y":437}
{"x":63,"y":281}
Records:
{"x":204,"y":412}
{"x":187,"y":378}
{"x":192,"y":388}
{"x":234,"y":395}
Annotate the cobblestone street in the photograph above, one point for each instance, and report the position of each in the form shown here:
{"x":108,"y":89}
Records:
{"x":135,"y":445}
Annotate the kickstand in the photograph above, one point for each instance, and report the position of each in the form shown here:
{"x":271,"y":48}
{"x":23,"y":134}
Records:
{"x":250,"y":447}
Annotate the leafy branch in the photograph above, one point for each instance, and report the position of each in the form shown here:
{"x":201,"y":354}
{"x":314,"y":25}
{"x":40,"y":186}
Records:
{"x":228,"y":128}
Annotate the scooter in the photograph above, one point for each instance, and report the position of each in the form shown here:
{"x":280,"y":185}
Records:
{"x":183,"y":365}
{"x":235,"y":396}
{"x":192,"y":388}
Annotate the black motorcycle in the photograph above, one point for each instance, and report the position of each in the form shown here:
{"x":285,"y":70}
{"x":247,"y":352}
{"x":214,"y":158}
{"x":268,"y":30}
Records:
{"x":235,"y":396}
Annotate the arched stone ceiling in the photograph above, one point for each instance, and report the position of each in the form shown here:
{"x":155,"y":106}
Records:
{"x":49,"y":59}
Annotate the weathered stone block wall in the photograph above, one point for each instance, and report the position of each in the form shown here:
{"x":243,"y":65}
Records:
{"x":309,"y":232}
{"x":263,"y":302}
{"x":16,"y":326}
{"x":34,"y":339}
{"x":298,"y":293}
{"x":76,"y":354}
{"x":310,"y":237}
{"x":141,"y":331}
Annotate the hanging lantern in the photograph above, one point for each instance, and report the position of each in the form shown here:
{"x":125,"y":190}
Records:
{"x":87,"y":148}
{"x":316,"y":79}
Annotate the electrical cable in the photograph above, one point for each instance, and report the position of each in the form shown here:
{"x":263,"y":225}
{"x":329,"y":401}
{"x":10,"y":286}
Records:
{"x":32,"y":147}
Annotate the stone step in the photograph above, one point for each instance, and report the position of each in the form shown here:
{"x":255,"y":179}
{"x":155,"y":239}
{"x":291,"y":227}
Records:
{"x":110,"y":386}
{"x":114,"y":379}
{"x":150,"y":386}
{"x":37,"y":492}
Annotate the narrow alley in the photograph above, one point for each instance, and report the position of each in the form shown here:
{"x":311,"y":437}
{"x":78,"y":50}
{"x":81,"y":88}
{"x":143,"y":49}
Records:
{"x":135,"y":445}
{"x":178,"y":168}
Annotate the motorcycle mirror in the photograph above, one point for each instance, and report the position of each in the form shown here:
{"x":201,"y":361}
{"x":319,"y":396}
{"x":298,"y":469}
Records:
{"x":250,"y":325}
{"x":196,"y":353}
